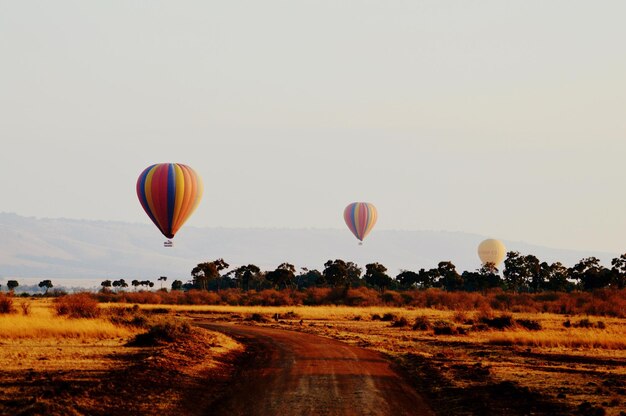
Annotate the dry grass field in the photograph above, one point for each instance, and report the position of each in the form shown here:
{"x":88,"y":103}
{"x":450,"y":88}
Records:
{"x":463,"y":362}
{"x":573,"y":364}
{"x":65,"y":366}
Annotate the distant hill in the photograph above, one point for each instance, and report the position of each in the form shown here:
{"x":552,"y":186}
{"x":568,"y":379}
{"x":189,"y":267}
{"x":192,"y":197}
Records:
{"x":89,"y":251}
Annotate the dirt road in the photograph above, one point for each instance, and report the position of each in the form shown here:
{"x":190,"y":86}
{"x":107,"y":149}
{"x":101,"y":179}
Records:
{"x":292,"y":373}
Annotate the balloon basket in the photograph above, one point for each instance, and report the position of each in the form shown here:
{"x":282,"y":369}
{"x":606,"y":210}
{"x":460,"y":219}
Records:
{"x":360,"y":243}
{"x":168,"y":243}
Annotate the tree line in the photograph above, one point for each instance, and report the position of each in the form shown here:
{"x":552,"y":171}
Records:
{"x":521,"y":273}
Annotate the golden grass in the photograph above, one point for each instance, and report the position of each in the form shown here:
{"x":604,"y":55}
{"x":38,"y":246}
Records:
{"x":570,"y":338}
{"x":43,"y":323}
{"x":327,"y":312}
{"x":553,"y":334}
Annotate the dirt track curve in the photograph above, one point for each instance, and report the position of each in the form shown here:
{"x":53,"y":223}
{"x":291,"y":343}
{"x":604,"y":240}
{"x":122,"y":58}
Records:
{"x":293,"y":373}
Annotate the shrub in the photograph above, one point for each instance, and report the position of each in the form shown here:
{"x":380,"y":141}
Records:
{"x":79,"y":305}
{"x":6,"y":304}
{"x":159,"y":311}
{"x":127,"y":316}
{"x":443,"y":328}
{"x":422,"y":323}
{"x":290,"y":315}
{"x":257,"y":317}
{"x":500,"y":322}
{"x":399,"y":323}
{"x":162,"y":332}
{"x":388,"y":317}
{"x":375,"y":317}
{"x":529,"y":324}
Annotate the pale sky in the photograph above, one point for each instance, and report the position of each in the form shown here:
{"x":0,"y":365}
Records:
{"x":502,"y":118}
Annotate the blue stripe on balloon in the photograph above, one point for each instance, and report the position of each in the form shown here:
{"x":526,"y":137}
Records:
{"x":171,"y":195}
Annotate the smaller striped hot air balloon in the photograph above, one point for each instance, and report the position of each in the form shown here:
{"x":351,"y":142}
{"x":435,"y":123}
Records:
{"x":491,"y":251}
{"x":360,"y":218}
{"x":169,"y":193}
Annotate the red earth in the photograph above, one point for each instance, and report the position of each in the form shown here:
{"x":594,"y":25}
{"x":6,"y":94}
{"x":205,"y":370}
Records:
{"x":293,"y":373}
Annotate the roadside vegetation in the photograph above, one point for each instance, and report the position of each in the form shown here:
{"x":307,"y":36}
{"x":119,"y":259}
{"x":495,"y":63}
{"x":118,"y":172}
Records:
{"x":69,"y":355}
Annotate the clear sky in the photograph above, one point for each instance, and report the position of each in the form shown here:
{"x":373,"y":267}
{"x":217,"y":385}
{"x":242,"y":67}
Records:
{"x":503,"y":118}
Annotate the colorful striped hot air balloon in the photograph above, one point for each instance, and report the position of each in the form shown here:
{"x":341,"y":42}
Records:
{"x":360,"y":218}
{"x":169,"y":193}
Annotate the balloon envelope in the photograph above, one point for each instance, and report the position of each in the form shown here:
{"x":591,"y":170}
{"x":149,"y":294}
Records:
{"x":169,"y":193}
{"x":491,"y":251}
{"x":360,"y":218}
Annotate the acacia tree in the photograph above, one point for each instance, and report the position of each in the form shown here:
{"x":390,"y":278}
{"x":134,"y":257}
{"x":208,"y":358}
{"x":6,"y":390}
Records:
{"x":162,"y":279}
{"x":618,"y":272}
{"x":135,"y":284}
{"x":120,"y":284}
{"x":555,"y":276}
{"x":376,"y":275}
{"x":340,"y":273}
{"x":12,"y":284}
{"x":204,"y":273}
{"x":283,"y":275}
{"x":309,"y":278}
{"x":449,"y":278}
{"x":590,"y":274}
{"x":106,"y":285}
{"x":177,"y":285}
{"x":486,"y":277}
{"x":47,"y":284}
{"x":407,"y":279}
{"x":516,"y":274}
{"x":243,"y":275}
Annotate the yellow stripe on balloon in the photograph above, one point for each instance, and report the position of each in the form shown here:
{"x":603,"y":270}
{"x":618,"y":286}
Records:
{"x":180,"y":192}
{"x":148,"y":191}
{"x":186,"y":198}
{"x":199,"y":192}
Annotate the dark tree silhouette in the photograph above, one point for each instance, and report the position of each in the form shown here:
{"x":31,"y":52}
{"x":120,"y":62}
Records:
{"x":204,"y":273}
{"x":243,"y":275}
{"x":555,"y":277}
{"x":47,"y":284}
{"x":309,"y":278}
{"x":284,"y":276}
{"x":376,"y":275}
{"x":177,"y":285}
{"x":516,"y":274}
{"x":339,"y":273}
{"x":618,"y":272}
{"x":119,"y":284}
{"x":12,"y":284}
{"x":449,"y":278}
{"x":162,"y":279}
{"x":106,"y":285}
{"x":408,"y":279}
{"x":590,"y":274}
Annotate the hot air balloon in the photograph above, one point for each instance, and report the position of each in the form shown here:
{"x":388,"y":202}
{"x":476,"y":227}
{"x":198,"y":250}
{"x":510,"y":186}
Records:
{"x":491,"y":251}
{"x":360,"y":218}
{"x":169,"y":193}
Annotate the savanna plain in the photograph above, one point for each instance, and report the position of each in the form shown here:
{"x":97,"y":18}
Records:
{"x":479,"y":354}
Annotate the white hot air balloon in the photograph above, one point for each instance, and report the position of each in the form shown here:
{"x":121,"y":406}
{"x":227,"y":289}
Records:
{"x":491,"y":251}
